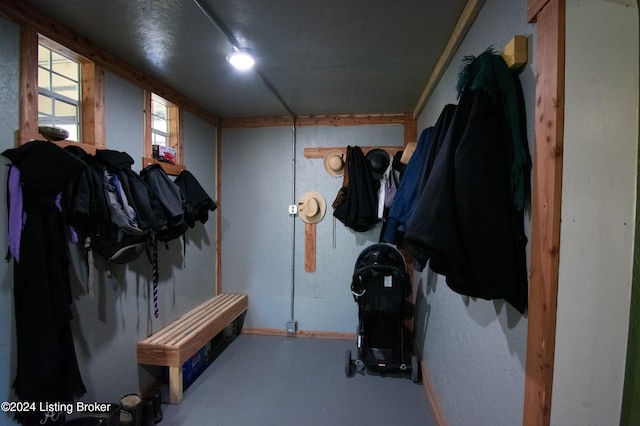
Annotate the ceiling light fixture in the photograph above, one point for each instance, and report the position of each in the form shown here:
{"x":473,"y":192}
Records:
{"x":241,"y":59}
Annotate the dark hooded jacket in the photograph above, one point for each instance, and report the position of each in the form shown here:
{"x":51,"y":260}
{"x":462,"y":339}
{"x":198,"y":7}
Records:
{"x":198,"y":203}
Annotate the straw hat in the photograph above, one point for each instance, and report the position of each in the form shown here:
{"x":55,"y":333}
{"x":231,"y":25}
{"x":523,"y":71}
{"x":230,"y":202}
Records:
{"x":334,"y":162}
{"x":312,"y":207}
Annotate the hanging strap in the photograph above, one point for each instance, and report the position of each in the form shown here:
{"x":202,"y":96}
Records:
{"x":90,"y":267}
{"x":153,"y":243}
{"x":16,"y":216}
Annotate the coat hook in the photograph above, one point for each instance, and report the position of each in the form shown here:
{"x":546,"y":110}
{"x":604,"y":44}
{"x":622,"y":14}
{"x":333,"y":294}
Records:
{"x":515,"y":52}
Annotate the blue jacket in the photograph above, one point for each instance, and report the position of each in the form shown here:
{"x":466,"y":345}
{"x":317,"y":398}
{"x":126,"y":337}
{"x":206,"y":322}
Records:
{"x":407,"y":191}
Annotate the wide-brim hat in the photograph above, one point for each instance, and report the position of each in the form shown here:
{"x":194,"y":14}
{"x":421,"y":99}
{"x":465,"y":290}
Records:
{"x":312,"y":207}
{"x":334,"y":162}
{"x":378,"y":162}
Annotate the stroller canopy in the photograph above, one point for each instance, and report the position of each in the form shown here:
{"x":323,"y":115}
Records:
{"x":380,"y":282}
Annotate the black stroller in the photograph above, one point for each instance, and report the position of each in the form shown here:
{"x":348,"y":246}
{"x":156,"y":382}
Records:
{"x":381,"y":288}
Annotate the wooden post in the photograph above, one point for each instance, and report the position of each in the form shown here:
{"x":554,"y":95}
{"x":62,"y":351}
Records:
{"x":310,"y":247}
{"x":175,"y":385}
{"x":546,"y":204}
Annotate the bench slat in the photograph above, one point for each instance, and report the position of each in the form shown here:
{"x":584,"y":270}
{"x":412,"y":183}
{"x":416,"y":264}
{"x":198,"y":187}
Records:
{"x":195,"y":326}
{"x":197,"y":317}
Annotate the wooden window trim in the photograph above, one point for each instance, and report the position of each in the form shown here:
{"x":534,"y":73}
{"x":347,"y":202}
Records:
{"x":28,"y":129}
{"x":93,"y":124}
{"x":92,"y":93}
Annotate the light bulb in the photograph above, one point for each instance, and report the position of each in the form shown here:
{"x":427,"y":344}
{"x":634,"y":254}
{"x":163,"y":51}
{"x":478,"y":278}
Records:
{"x":241,"y":59}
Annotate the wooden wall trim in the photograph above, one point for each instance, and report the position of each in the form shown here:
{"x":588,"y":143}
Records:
{"x":35,"y":20}
{"x":545,"y":218}
{"x":323,"y":120}
{"x":255,"y":122}
{"x":432,"y":396}
{"x":301,"y":333}
{"x":350,"y":120}
{"x":534,"y":7}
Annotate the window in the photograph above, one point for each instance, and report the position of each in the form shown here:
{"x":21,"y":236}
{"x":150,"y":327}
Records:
{"x":159,"y":121}
{"x":59,"y":88}
{"x":58,"y":91}
{"x":162,"y":128}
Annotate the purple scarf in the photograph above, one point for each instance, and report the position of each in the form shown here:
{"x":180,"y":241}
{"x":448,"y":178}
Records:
{"x":16,"y":215}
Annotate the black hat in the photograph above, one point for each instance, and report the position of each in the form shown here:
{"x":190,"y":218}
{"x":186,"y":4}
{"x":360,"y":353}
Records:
{"x":378,"y":162}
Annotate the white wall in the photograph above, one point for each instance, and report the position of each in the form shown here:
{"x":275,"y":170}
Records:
{"x":598,"y":211}
{"x":475,"y":349}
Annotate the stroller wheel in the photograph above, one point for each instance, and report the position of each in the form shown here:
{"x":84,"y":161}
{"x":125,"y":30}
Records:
{"x":415,"y":369}
{"x":348,"y":369}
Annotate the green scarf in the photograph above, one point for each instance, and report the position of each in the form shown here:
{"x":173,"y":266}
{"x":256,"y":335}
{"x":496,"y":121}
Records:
{"x":489,"y":72}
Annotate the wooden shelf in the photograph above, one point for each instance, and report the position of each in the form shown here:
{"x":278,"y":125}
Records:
{"x":170,"y":169}
{"x":89,"y":149}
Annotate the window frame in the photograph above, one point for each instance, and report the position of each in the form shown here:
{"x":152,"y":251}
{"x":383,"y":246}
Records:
{"x":174,"y":133}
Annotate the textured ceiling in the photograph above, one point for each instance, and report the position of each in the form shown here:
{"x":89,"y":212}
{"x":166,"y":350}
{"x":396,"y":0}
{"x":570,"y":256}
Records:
{"x":321,"y":56}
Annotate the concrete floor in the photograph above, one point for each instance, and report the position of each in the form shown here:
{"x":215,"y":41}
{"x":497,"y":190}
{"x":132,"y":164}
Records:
{"x":294,"y":381}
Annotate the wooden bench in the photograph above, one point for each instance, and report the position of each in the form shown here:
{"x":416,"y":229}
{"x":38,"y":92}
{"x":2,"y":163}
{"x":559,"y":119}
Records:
{"x":177,"y":342}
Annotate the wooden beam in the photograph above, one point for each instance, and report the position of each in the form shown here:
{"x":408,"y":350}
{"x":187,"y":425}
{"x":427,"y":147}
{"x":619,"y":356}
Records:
{"x":458,"y":34}
{"x":545,"y":217}
{"x":410,"y":129}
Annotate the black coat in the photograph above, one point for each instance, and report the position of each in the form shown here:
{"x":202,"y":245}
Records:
{"x":465,"y":221}
{"x":47,"y":369}
{"x":359,"y":208}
